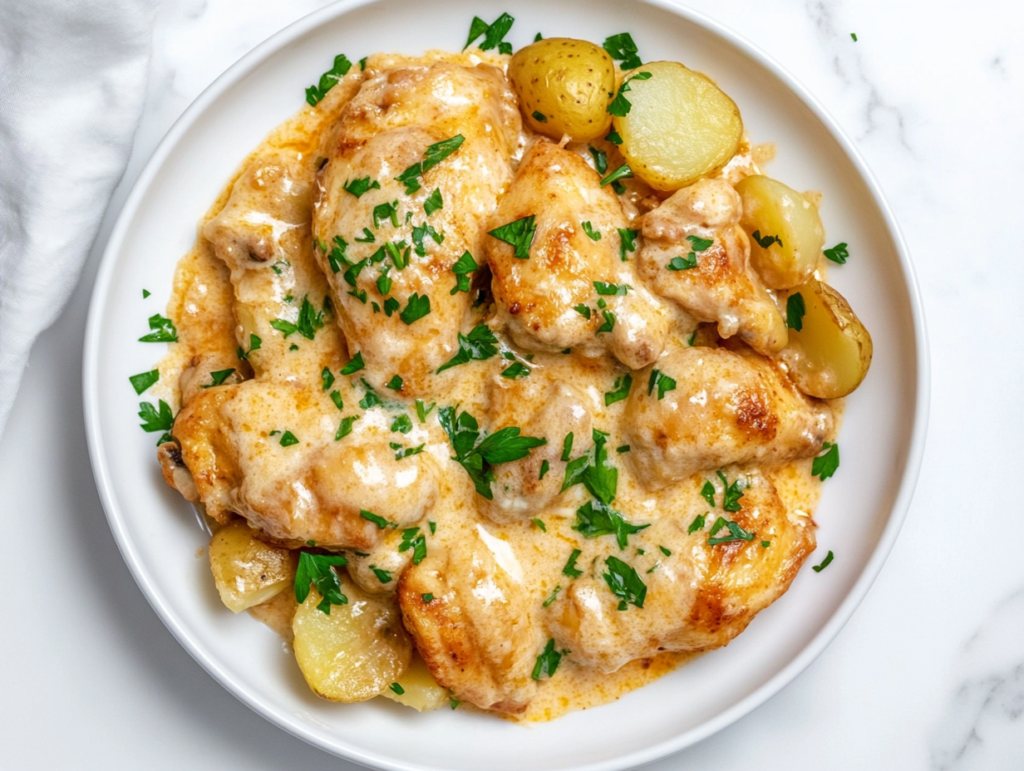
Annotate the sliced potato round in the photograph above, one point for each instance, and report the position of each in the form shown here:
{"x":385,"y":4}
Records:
{"x":788,"y":224}
{"x":246,"y":570}
{"x":419,"y":688}
{"x":830,"y":355}
{"x":356,"y":651}
{"x":680,"y":127}
{"x":564,"y":87}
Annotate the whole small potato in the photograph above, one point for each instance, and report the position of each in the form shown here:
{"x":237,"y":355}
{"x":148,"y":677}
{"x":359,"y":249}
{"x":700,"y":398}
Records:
{"x":680,"y":126}
{"x":772,"y":209}
{"x":246,"y":570}
{"x":830,"y":355}
{"x":356,"y":651}
{"x":564,"y":87}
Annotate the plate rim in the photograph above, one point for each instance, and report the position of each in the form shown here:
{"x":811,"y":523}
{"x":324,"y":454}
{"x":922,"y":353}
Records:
{"x":814,"y":648}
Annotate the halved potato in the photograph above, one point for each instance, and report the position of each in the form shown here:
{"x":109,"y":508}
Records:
{"x":246,"y":570}
{"x":564,"y":87}
{"x":419,"y":688}
{"x":355,"y":652}
{"x":771,"y":208}
{"x":831,"y":354}
{"x":680,"y":127}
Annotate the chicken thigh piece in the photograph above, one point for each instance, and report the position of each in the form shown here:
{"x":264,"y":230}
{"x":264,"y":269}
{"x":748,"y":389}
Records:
{"x":701,"y":595}
{"x":469,"y":613}
{"x":565,"y":285}
{"x":722,"y":286}
{"x":294,"y":450}
{"x":416,"y":165}
{"x":704,"y":408}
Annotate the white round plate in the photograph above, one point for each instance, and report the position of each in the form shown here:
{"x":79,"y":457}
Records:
{"x":860,"y":514}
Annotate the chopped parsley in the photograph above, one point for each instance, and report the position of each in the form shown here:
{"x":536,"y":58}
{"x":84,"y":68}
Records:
{"x":287,"y":438}
{"x":493,"y":34}
{"x":594,"y":519}
{"x":539,"y":117}
{"x":697,"y":524}
{"x":359,"y":186}
{"x":627,"y":241}
{"x":419,"y":232}
{"x":765,"y":241}
{"x":395,"y":383}
{"x":327,"y":377}
{"x":620,"y":105}
{"x":795,"y":310}
{"x":418,"y":307}
{"x":402,"y":423}
{"x":735,"y":532}
{"x":600,"y":159}
{"x":395,"y":687}
{"x":825,"y":465}
{"x":609,"y":322}
{"x":337,"y":256}
{"x":255,"y":343}
{"x":163,"y":331}
{"x":477,"y":455}
{"x":145,"y":293}
{"x":354,"y":365}
{"x":545,"y":467}
{"x":732,"y":494}
{"x":567,"y":446}
{"x":338,"y":401}
{"x":552,"y":597}
{"x":519,"y":234}
{"x":583,"y":310}
{"x":623,"y":172}
{"x":434,"y":202}
{"x":346,"y":427}
{"x":614,"y":138}
{"x":309,"y":321}
{"x":594,"y":470}
{"x":376,"y":519}
{"x":838,"y":254}
{"x":144,"y":380}
{"x":398,"y":252}
{"x":570,"y":568}
{"x":328,"y":81}
{"x":662,"y":382}
{"x":318,"y":569}
{"x":624,"y":583}
{"x":824,"y":563}
{"x":622,"y":48}
{"x":385,"y":578}
{"x":547,"y":661}
{"x":413,"y":539}
{"x":594,"y":235}
{"x":463,"y":268}
{"x":708,"y":493}
{"x":621,"y":390}
{"x":383,"y":212}
{"x":154,"y":419}
{"x":423,"y":409}
{"x":368,"y":237}
{"x":683,"y":263}
{"x":540,"y":523}
{"x":666,"y":552}
{"x":432,"y":156}
{"x":428,"y":597}
{"x":611,"y":290}
{"x":370,"y":398}
{"x":515,"y":370}
{"x":219,"y":376}
{"x":478,"y":345}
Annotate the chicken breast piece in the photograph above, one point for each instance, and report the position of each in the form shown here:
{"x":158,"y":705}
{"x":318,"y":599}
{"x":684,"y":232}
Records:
{"x":723,"y":287}
{"x":389,"y":245}
{"x":276,"y":449}
{"x":551,"y":411}
{"x":571,"y":289}
{"x":477,"y":633}
{"x":704,"y":408}
{"x":701,"y":595}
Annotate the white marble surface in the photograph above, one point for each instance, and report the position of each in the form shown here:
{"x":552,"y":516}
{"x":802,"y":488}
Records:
{"x":929,"y":674}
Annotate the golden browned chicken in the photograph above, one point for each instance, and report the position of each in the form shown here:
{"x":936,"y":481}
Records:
{"x":298,"y":458}
{"x":563,"y":284}
{"x":696,"y":255}
{"x":702,"y":408}
{"x":416,"y":164}
{"x":698,"y":597}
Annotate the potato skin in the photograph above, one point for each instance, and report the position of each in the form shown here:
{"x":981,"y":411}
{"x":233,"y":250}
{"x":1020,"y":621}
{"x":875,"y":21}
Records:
{"x":247,"y":571}
{"x":830,"y":356}
{"x":681,"y":126}
{"x":774,"y":209}
{"x":569,"y":82}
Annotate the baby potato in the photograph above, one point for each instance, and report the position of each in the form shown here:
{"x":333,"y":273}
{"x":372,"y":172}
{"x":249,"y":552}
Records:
{"x":564,"y":87}
{"x":246,"y":570}
{"x":419,"y":688}
{"x":831,"y":354}
{"x":680,"y":127}
{"x":771,"y":208}
{"x":354,"y":653}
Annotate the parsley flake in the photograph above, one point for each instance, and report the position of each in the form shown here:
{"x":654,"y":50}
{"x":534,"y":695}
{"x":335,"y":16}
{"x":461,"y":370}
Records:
{"x":385,"y":211}
{"x":620,"y":390}
{"x":395,"y":383}
{"x":570,"y":568}
{"x":683,"y":263}
{"x":611,"y":290}
{"x":594,"y":235}
{"x":825,"y":563}
{"x":795,"y":310}
{"x":623,"y":172}
{"x":493,"y":33}
{"x":594,"y":519}
{"x":620,"y":105}
{"x":838,"y":254}
{"x":154,"y":420}
{"x":144,"y":380}
{"x":418,"y":307}
{"x":622,"y":48}
{"x":519,"y":234}
{"x":385,"y":578}
{"x":624,"y":583}
{"x":627,"y":241}
{"x":346,"y":427}
{"x":318,"y":570}
{"x":478,"y":345}
{"x":163,"y":331}
{"x":547,"y":661}
{"x":825,"y":465}
{"x":463,"y":268}
{"x":600,"y":159}
{"x":327,"y":377}
{"x":733,"y":493}
{"x":395,"y":687}
{"x":358,"y":187}
{"x":413,"y":539}
{"x":434,"y":202}
{"x":432,"y":156}
{"x":328,"y":80}
{"x":515,"y":370}
{"x":765,"y":241}
{"x":354,"y":365}
{"x":697,"y":524}
{"x":662,"y":382}
{"x":708,"y":493}
{"x":539,"y":117}
{"x":736,"y":533}
{"x":552,"y":597}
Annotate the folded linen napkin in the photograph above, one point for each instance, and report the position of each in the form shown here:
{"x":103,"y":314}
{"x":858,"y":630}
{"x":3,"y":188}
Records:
{"x":72,"y":87}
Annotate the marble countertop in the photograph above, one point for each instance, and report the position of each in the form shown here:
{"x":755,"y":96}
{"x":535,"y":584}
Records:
{"x":929,"y":673}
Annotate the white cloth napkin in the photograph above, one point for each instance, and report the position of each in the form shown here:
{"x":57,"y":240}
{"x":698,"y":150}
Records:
{"x":73,"y":79}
